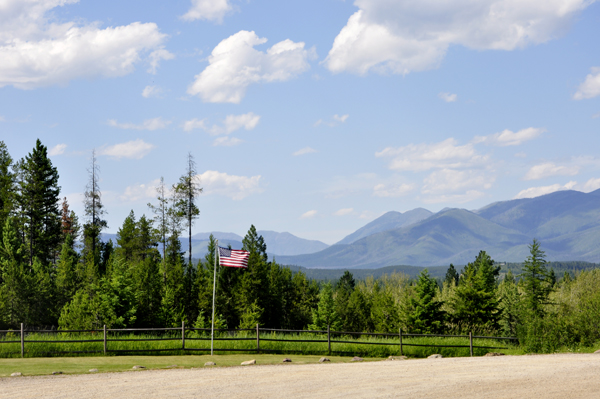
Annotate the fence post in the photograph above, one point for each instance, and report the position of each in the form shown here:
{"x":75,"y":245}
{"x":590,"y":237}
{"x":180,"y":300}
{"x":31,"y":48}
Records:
{"x":257,"y":340}
{"x":105,"y":340}
{"x":401,"y":352}
{"x":22,"y":341}
{"x":329,"y":339}
{"x":471,"y":343}
{"x":183,"y":335}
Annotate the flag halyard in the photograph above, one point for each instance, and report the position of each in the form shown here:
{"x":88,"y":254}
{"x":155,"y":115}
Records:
{"x":233,"y":257}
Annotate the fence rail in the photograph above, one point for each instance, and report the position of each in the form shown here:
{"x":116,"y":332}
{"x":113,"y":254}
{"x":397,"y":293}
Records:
{"x":333,"y":337}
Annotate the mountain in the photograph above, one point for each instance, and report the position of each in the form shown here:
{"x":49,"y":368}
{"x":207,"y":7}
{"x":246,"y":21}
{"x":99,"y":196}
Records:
{"x":288,"y":244}
{"x":389,"y":221}
{"x":567,"y":223}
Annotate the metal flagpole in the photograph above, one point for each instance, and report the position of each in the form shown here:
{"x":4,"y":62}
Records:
{"x":212,"y":330}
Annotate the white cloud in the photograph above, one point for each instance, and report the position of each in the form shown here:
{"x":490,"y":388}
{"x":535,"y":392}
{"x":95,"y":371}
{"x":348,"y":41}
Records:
{"x":193,"y":124}
{"x":450,"y":181}
{"x":35,"y":52}
{"x":470,"y":195}
{"x":156,"y":57}
{"x":230,"y":124}
{"x":403,"y":36}
{"x":400,"y":190}
{"x":210,"y":10}
{"x":507,"y":137}
{"x":58,"y":149}
{"x":151,"y":91}
{"x":139,"y":192}
{"x":227,"y":141}
{"x":590,"y":88}
{"x":334,"y":122}
{"x":533,"y":192}
{"x":591,"y":185}
{"x":549,"y":169}
{"x":446,"y":154}
{"x":304,"y":151}
{"x":234,"y":187}
{"x":234,"y":64}
{"x":344,"y":212}
{"x":309,"y":214}
{"x":148,"y":124}
{"x":135,"y":149}
{"x":449,"y":98}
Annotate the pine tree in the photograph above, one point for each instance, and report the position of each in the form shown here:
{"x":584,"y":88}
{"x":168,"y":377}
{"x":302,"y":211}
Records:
{"x":537,"y":284}
{"x":186,"y":192}
{"x":14,"y":291}
{"x":94,"y":212}
{"x":128,"y":238}
{"x":325,"y":314}
{"x":427,"y":316}
{"x":161,"y":216}
{"x":7,"y":185}
{"x":39,"y":194}
{"x":451,"y":276}
{"x":68,"y":280}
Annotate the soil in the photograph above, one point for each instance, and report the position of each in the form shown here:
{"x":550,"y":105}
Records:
{"x":540,"y":376}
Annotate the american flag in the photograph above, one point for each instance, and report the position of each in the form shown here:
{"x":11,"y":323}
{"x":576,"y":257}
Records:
{"x":233,"y":257}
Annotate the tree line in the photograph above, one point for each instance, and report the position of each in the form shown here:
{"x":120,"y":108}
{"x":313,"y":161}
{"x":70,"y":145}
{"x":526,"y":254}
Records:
{"x":56,"y":271}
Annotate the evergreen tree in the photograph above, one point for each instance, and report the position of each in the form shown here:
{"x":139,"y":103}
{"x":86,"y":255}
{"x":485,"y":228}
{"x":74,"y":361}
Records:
{"x":325,"y":314}
{"x":343,"y":290}
{"x":94,"y":212}
{"x":14,"y":291}
{"x":7,"y":185}
{"x":451,"y":276}
{"x":161,"y":216}
{"x":427,"y":316}
{"x":537,"y":285}
{"x":39,"y":194}
{"x":510,"y":305}
{"x":128,"y":239}
{"x":68,"y":279}
{"x":186,"y":192}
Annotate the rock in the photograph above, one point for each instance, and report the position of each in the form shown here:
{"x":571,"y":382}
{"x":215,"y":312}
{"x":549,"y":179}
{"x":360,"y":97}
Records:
{"x":323,"y":360}
{"x":249,"y":362}
{"x":210,"y":364}
{"x":397,"y":358}
{"x":436,"y":356}
{"x":138,"y":367}
{"x":93,"y":370}
{"x":287,"y":360}
{"x":172,"y":366}
{"x":494,"y":354}
{"x":598,"y":351}
{"x":356,"y":359}
{"x":16,"y":374}
{"x":56,"y":372}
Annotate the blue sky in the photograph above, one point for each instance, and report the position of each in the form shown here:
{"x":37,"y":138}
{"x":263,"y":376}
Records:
{"x":312,"y":117}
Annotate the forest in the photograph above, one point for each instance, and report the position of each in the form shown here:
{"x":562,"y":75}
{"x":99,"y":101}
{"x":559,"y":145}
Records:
{"x":56,"y":272}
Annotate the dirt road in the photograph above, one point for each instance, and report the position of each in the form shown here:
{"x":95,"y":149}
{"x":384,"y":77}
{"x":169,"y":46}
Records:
{"x":549,"y":376}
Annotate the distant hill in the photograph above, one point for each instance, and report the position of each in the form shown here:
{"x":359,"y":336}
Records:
{"x":389,"y":221}
{"x":567,"y":223}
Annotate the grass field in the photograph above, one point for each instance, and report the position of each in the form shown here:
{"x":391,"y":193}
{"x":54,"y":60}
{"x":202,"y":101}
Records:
{"x":82,"y":365}
{"x":377,"y":347}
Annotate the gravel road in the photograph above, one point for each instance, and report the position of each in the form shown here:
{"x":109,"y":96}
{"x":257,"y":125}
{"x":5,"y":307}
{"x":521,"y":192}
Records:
{"x":542,"y":376}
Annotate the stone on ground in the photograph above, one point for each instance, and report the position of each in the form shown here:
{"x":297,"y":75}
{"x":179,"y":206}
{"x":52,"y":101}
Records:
{"x":323,"y":360}
{"x":138,"y":367}
{"x":93,"y":370}
{"x":56,"y":372}
{"x":16,"y":374}
{"x":249,"y":362}
{"x":287,"y":360}
{"x":494,"y":354}
{"x":436,"y":356}
{"x":356,"y":359}
{"x":210,"y":364}
{"x":397,"y":358}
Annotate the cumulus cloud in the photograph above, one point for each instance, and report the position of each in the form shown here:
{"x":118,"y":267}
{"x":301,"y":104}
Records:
{"x":470,"y":195}
{"x":194,"y":124}
{"x":335,"y":120}
{"x":591,"y":185}
{"x":451,"y":181}
{"x":151,"y":91}
{"x":139,"y":192}
{"x":508,"y":138}
{"x":234,"y":187}
{"x":227,"y":141}
{"x":58,"y":149}
{"x":448,"y":97}
{"x":231,"y":123}
{"x":389,"y":190}
{"x":210,"y":10}
{"x":590,"y":88}
{"x":403,"y":36}
{"x":148,"y":124}
{"x":135,"y":149}
{"x":309,"y":214}
{"x":234,"y":64}
{"x":344,"y":212}
{"x":420,"y":157}
{"x":533,"y":192}
{"x":549,"y":169}
{"x":36,"y":52}
{"x":304,"y":151}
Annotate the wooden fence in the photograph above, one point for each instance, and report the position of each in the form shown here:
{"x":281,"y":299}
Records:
{"x":332,"y":337}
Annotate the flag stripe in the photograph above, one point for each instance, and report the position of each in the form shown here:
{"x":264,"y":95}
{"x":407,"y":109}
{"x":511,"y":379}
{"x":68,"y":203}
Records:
{"x":233,"y":257}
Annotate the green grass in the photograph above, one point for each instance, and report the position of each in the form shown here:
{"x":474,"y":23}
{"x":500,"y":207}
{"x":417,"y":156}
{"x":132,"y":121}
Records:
{"x":82,"y":365}
{"x":387,"y":346}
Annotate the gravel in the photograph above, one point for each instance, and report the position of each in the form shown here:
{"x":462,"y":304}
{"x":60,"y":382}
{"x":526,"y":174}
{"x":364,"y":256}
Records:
{"x":548,"y":376}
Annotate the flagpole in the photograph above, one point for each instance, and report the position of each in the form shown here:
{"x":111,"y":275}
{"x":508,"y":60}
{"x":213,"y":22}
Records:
{"x":212,"y":330}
